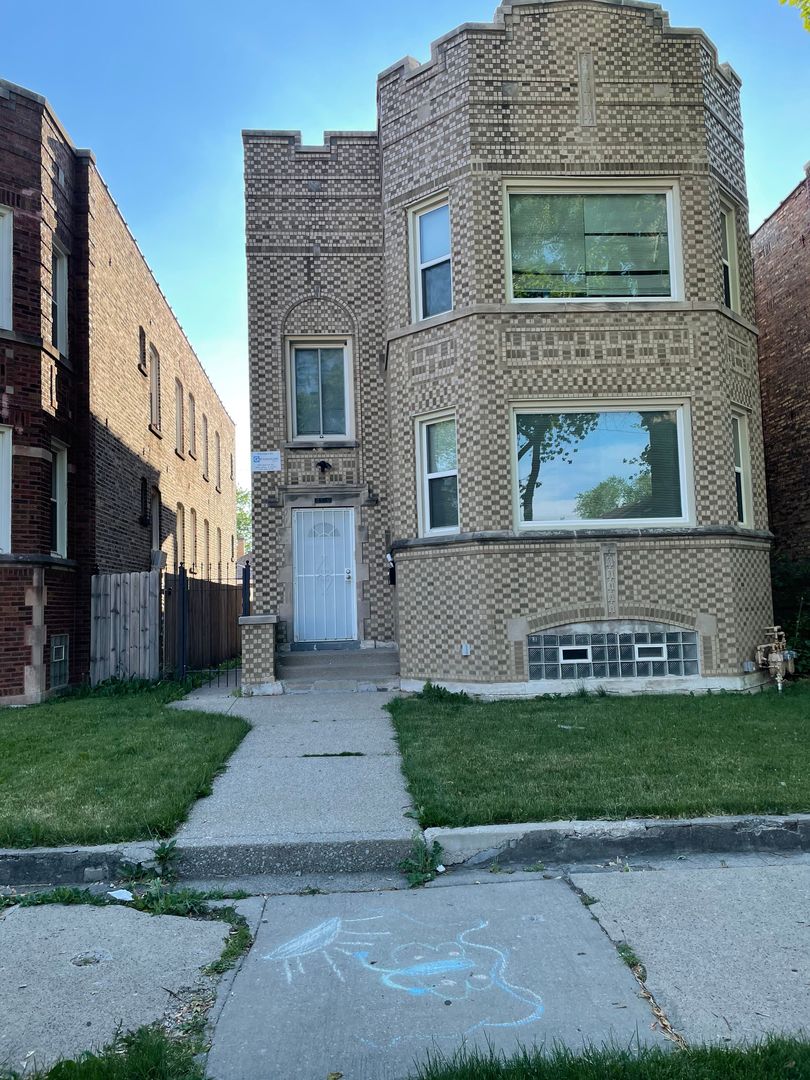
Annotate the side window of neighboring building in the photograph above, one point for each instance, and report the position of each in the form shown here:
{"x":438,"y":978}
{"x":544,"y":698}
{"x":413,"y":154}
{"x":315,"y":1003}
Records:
{"x":217,"y":462}
{"x":192,"y":426}
{"x":6,"y":266}
{"x":59,"y":298}
{"x":142,"y":350}
{"x":728,"y":254}
{"x":219,"y":554}
{"x":742,"y":468}
{"x":154,"y":389}
{"x":206,"y":567}
{"x":179,"y":434}
{"x":192,"y":525}
{"x":180,"y":537}
{"x":59,"y":503}
{"x":597,"y":242}
{"x":155,"y":507}
{"x":431,"y":260}
{"x":320,"y":391}
{"x":5,"y":490}
{"x":205,"y":446}
{"x":438,"y":481}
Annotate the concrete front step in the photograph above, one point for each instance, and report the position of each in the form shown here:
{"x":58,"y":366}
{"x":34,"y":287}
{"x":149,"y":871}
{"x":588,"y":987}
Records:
{"x":335,"y":685}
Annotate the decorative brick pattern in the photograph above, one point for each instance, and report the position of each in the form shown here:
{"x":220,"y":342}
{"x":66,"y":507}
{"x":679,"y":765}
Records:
{"x":551,"y":88}
{"x":258,"y":655}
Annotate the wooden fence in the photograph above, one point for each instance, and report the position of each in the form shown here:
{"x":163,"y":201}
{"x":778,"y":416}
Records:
{"x":125,"y":626}
{"x":202,"y":622}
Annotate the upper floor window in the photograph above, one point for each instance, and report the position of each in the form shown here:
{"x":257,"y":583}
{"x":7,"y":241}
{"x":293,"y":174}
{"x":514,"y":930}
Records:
{"x":618,"y":465}
{"x":217,"y":461}
{"x":728,"y":256}
{"x":592,"y":242}
{"x":438,"y":510}
{"x":154,"y":389}
{"x":59,"y":298}
{"x":142,"y":350}
{"x":6,"y":266}
{"x":179,"y":424}
{"x":204,"y":433}
{"x":432,"y":262}
{"x":59,"y":500}
{"x":5,"y":490}
{"x":742,"y":468}
{"x":192,"y":426}
{"x":320,"y":391}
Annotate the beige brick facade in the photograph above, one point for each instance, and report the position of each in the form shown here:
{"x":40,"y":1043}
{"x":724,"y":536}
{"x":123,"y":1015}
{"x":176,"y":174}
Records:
{"x":551,"y":90}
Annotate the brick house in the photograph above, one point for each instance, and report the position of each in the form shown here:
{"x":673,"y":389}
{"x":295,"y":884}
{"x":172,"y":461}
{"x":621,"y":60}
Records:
{"x":113,"y":442}
{"x":505,"y":344}
{"x":781,"y":249}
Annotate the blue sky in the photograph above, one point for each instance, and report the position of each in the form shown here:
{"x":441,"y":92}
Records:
{"x":161,"y":91}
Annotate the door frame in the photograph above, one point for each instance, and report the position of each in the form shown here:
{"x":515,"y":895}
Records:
{"x":352,"y":535}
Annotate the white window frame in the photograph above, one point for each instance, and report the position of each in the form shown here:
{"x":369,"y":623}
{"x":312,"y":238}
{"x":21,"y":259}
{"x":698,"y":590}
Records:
{"x":59,"y":463}
{"x":728,"y":224}
{"x":6,"y":266}
{"x":179,"y":418}
{"x":348,"y":387}
{"x":612,"y":186}
{"x":59,"y":297}
{"x":743,"y":470}
{"x":662,"y":655}
{"x":423,"y":477}
{"x":681,"y":406}
{"x":5,"y":489}
{"x":415,"y":212}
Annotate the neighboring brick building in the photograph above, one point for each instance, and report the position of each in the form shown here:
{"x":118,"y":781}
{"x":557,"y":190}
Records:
{"x":507,"y":340}
{"x":93,"y":471}
{"x":781,"y":248}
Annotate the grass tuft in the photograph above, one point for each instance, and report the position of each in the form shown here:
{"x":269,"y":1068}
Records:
{"x":145,"y":1054}
{"x":773,"y":1059}
{"x":106,"y":767}
{"x":481,"y":763}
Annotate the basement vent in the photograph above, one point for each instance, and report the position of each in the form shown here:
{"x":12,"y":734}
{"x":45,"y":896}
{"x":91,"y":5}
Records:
{"x":59,"y":660}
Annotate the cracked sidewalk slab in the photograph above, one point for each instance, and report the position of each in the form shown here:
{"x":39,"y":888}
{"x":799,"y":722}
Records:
{"x":71,"y":976}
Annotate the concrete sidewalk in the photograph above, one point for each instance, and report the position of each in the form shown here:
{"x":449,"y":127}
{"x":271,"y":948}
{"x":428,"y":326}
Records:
{"x":316,"y":785}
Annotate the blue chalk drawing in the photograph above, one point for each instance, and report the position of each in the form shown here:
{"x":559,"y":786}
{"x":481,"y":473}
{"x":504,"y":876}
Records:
{"x":455,"y":970}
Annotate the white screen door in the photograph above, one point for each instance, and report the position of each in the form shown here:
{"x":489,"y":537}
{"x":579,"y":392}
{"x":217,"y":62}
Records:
{"x":324,"y":597}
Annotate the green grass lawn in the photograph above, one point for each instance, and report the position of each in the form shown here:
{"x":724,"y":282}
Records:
{"x":478,"y":763}
{"x":776,"y":1059}
{"x":104,"y":768}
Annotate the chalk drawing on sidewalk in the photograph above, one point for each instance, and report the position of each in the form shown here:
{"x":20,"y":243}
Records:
{"x":339,"y":935}
{"x":451,"y":970}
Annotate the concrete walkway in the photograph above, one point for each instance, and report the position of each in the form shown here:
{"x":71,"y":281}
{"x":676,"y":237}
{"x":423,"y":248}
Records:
{"x":316,"y":783}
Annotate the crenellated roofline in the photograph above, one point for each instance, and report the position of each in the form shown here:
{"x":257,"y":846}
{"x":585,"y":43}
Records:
{"x":408,"y":67}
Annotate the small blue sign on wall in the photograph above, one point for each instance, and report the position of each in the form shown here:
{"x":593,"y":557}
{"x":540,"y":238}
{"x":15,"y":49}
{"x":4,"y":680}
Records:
{"x":265,"y":461}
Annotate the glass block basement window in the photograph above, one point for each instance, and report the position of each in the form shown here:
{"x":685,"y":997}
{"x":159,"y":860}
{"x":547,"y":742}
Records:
{"x":565,"y":653}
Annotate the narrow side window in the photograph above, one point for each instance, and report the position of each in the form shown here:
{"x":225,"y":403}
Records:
{"x":432,"y":261}
{"x":439,"y":475}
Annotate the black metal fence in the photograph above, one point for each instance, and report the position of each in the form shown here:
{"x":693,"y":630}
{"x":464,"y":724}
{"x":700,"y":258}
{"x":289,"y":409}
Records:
{"x":201,"y":622}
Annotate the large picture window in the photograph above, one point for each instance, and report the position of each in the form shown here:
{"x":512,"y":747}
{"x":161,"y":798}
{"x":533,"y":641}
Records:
{"x":320,"y":391}
{"x":439,"y":475}
{"x":618,"y":465}
{"x":593,"y":244}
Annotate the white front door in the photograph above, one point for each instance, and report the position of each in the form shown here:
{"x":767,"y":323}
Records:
{"x":324,"y":594}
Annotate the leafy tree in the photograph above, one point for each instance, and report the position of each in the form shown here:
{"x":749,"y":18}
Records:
{"x":546,"y":436}
{"x":615,"y":494}
{"x":244,"y":516}
{"x":804,"y":9}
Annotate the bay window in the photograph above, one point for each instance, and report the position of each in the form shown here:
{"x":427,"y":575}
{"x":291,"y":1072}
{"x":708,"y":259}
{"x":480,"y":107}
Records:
{"x":742,"y":480}
{"x":592,"y":242}
{"x":618,"y":465}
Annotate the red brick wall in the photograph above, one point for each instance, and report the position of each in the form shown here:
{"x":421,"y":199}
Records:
{"x":781,"y":248}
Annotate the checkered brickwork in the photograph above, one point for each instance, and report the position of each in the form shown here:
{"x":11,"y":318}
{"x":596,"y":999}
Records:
{"x":328,"y":254}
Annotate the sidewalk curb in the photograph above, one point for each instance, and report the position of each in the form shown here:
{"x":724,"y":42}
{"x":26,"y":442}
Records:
{"x":246,"y":857}
{"x":600,"y":841}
